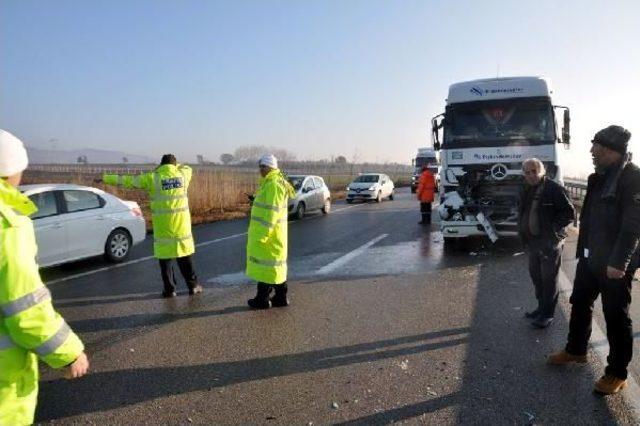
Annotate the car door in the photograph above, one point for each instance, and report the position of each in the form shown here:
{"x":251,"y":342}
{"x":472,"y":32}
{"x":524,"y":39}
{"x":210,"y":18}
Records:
{"x":319,"y":193}
{"x":87,"y":222}
{"x":308,"y":193}
{"x":51,"y":234}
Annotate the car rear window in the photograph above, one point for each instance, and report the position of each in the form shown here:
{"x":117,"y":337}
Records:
{"x":46,"y":203}
{"x":82,"y":200}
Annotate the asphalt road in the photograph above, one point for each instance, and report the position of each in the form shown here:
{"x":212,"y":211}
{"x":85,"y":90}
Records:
{"x":385,"y":325}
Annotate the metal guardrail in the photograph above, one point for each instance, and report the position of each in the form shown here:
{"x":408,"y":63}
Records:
{"x":577,"y":190}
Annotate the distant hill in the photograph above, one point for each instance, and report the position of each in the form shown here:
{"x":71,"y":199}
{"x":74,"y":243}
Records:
{"x":94,"y":156}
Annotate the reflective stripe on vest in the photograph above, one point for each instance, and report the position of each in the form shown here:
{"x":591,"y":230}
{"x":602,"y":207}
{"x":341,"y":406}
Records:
{"x":54,"y":342}
{"x":266,"y":206}
{"x":169,"y":197}
{"x":169,"y":211}
{"x":25,"y":302}
{"x":170,"y":240}
{"x":6,"y":343}
{"x":267,"y":224}
{"x":265,"y":262}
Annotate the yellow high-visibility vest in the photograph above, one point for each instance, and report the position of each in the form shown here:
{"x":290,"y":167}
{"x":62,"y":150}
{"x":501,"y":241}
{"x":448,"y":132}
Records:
{"x":267,"y":238}
{"x":167,"y":186}
{"x":29,"y":326}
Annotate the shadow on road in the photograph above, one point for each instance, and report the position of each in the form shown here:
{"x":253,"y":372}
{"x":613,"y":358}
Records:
{"x":126,"y":387}
{"x":506,"y":380}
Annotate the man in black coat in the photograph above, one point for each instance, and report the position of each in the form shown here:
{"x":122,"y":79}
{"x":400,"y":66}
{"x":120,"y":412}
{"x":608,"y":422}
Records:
{"x":608,"y":258}
{"x":545,"y":213}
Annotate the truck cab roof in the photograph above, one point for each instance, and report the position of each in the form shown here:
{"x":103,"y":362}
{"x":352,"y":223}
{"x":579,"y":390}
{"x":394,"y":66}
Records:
{"x":499,"y":88}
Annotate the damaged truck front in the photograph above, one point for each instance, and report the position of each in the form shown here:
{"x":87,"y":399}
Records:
{"x":488,"y":129}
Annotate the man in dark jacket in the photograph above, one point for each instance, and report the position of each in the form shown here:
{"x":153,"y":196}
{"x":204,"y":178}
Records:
{"x":545,"y":213}
{"x":608,"y":258}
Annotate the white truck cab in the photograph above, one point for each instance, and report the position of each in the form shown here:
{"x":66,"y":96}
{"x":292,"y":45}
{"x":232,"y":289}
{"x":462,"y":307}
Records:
{"x":425,"y":157}
{"x":488,"y":129}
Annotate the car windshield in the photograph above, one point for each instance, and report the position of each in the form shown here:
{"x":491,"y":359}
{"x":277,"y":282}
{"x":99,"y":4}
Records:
{"x":499,"y":123}
{"x":367,"y":179}
{"x":296,"y":181}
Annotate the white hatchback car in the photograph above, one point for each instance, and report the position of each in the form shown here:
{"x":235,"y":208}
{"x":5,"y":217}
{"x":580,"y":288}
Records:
{"x":311,"y":194}
{"x":74,"y":222}
{"x":370,"y":186}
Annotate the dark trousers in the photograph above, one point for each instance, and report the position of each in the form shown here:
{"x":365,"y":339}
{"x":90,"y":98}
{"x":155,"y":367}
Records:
{"x":264,"y":290}
{"x":616,"y":298}
{"x":425,"y":210}
{"x":186,"y":269}
{"x":544,"y":265}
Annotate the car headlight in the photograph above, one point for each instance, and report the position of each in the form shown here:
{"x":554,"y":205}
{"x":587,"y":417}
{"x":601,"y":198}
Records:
{"x":371,"y":188}
{"x":348,"y":189}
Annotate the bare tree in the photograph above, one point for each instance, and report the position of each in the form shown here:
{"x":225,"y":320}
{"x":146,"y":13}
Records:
{"x":226,"y":158}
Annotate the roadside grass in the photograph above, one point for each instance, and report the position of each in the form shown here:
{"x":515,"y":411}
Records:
{"x":214,"y":194}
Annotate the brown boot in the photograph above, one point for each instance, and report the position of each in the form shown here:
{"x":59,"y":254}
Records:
{"x":563,"y":358}
{"x":608,"y":385}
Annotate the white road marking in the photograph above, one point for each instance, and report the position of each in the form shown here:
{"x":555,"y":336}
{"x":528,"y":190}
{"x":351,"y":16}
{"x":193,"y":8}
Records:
{"x":600,"y":345}
{"x":347,"y":257}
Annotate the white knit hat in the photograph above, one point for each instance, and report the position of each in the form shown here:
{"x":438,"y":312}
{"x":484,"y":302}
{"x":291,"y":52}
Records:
{"x":13,"y":156}
{"x":268,"y":160}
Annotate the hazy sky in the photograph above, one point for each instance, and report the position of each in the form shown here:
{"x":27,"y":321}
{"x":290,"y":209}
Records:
{"x":323,"y":78}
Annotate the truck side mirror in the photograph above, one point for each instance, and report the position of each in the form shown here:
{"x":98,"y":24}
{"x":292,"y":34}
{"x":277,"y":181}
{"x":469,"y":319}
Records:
{"x":566,"y":134}
{"x":435,"y":126}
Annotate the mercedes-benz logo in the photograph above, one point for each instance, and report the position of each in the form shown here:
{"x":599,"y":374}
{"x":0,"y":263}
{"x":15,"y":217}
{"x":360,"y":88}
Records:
{"x":499,"y":171}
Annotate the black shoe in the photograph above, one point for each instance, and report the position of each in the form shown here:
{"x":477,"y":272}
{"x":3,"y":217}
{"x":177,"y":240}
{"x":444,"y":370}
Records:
{"x":196,"y":290}
{"x":532,"y":314}
{"x":258,"y":304}
{"x":542,"y":322}
{"x":279,"y":302}
{"x":168,"y":294}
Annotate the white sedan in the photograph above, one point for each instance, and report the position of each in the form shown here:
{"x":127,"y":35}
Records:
{"x":370,"y":186}
{"x":74,"y":222}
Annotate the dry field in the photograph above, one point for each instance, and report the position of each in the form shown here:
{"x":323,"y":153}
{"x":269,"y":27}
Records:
{"x":214,"y":193}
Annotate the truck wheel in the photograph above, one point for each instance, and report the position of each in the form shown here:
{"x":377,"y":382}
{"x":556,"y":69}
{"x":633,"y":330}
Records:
{"x":118,"y":246}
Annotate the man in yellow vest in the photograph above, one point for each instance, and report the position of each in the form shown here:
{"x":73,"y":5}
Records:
{"x":29,"y":326}
{"x":167,"y":186}
{"x":267,"y":236}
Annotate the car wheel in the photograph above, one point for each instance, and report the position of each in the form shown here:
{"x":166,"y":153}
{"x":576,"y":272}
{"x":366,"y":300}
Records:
{"x":349,"y":201}
{"x":379,"y":197}
{"x":413,"y":190}
{"x":118,"y":246}
{"x":391,"y":196}
{"x":327,"y":206}
{"x":300,"y":211}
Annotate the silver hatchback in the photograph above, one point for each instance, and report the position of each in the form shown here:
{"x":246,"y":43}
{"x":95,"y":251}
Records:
{"x":312,"y":194}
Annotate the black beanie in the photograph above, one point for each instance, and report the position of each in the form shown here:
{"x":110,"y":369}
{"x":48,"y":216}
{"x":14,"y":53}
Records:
{"x":613,"y":137}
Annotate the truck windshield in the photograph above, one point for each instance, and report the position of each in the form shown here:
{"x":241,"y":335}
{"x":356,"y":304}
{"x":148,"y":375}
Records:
{"x":505,"y":122}
{"x":425,"y":161}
